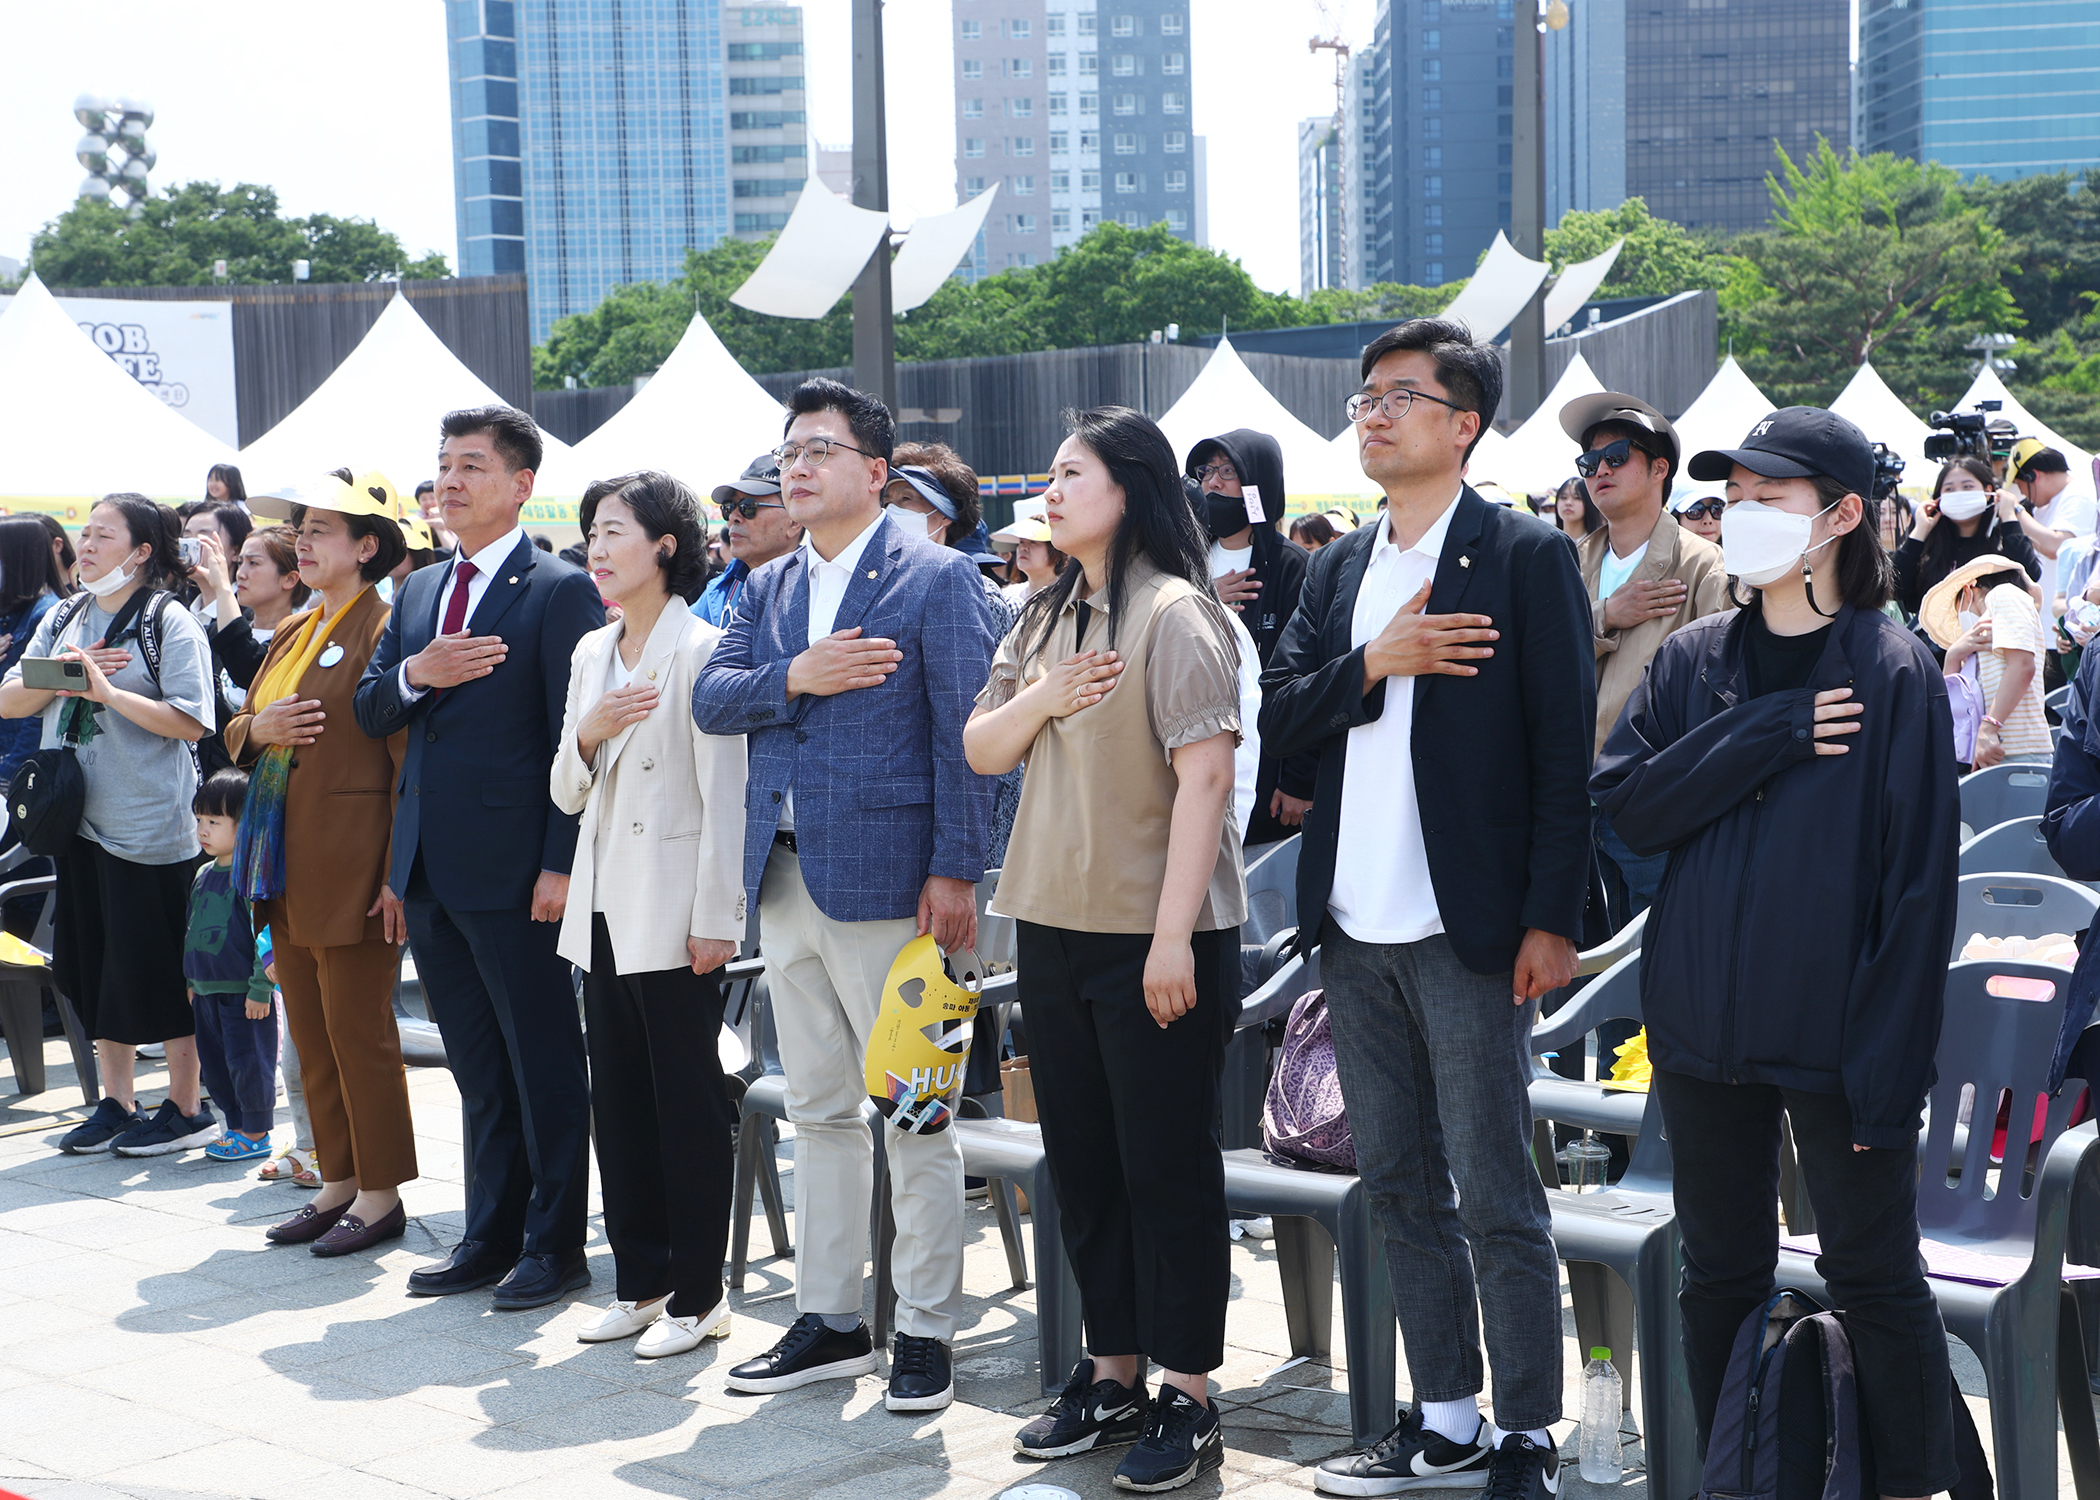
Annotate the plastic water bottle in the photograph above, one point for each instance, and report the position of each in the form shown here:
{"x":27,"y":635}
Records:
{"x":1601,"y":1404}
{"x":1588,"y":1159}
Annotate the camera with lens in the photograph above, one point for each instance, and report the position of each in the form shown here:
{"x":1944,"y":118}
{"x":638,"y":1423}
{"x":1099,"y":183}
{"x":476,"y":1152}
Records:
{"x":1963,"y":434}
{"x":1888,"y":471}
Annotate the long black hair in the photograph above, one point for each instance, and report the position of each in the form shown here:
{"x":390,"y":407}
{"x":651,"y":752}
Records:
{"x":1592,"y":518}
{"x":230,"y":476}
{"x":28,"y":568}
{"x":1936,"y":559}
{"x":1158,"y":523}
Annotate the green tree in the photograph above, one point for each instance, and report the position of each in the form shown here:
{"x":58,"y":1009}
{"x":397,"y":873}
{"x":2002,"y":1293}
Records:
{"x":177,"y":235}
{"x":1378,"y":302}
{"x":1659,"y":259}
{"x":1866,"y":256}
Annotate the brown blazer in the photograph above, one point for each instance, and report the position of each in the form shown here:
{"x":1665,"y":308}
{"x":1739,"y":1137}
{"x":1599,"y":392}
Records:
{"x":339,"y":807}
{"x":1622,"y":656}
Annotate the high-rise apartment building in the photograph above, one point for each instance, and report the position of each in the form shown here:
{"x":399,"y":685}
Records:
{"x":1079,"y":111}
{"x":590,"y":139}
{"x":1334,"y":177}
{"x":769,"y":146}
{"x":1441,"y":95}
{"x":1585,"y":76}
{"x":2003,"y":87}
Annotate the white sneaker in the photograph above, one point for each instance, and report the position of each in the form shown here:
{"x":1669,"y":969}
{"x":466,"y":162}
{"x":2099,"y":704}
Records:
{"x":1262,"y":1228}
{"x":669,"y":1335}
{"x":623,"y":1320}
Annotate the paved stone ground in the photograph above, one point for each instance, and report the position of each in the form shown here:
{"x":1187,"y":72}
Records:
{"x":153,"y":1346}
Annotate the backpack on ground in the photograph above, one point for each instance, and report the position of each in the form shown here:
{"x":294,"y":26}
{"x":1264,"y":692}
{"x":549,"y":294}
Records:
{"x":1302,"y":1118}
{"x":1787,"y":1424}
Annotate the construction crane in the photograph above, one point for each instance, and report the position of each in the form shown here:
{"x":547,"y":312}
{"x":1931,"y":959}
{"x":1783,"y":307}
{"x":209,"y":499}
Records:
{"x":1340,"y":49}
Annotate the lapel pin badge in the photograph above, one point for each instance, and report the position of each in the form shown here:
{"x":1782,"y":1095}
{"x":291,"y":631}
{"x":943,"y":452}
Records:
{"x":332,"y":655}
{"x":1465,"y":562}
{"x":871,"y":573}
{"x":512,"y":579}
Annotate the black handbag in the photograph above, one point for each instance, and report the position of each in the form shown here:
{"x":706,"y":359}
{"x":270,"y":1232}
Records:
{"x":46,"y":798}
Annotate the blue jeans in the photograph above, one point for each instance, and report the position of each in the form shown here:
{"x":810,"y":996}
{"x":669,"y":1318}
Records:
{"x":1643,"y":873}
{"x":1433,"y":1061}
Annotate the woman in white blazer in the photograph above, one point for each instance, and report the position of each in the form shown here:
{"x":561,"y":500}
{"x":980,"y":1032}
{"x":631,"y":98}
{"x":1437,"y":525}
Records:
{"x":656,"y":907}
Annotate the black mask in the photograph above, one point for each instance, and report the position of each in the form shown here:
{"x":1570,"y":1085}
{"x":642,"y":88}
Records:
{"x":1224,"y":516}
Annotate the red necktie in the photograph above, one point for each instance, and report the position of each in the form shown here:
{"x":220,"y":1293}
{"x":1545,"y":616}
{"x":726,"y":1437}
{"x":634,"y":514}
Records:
{"x":456,"y":606}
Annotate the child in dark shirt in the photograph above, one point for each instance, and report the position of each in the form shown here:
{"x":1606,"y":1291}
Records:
{"x":236,"y":1021}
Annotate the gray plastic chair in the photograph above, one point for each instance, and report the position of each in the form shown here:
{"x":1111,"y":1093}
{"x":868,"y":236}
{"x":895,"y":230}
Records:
{"x":22,"y":1000}
{"x":2058,"y":699}
{"x":1011,"y":1151}
{"x":1246,"y":1081}
{"x":1629,"y":1229}
{"x":1272,"y":892}
{"x":2024,"y":1331}
{"x":2015,"y":846}
{"x":2010,"y":789}
{"x":2011,"y":905}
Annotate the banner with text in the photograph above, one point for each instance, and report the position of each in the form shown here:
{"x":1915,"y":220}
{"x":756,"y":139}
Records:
{"x":180,"y":351}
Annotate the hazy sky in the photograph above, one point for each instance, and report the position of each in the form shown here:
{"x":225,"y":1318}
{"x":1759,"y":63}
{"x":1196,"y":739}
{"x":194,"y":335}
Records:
{"x":344,"y":109}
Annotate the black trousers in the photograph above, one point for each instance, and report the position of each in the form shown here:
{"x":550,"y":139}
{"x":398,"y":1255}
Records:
{"x":1724,"y":1146}
{"x":666,"y":1161}
{"x":1129,"y":1114}
{"x":503,"y":1001}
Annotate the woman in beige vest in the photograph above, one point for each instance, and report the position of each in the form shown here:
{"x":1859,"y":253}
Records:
{"x":1119,"y":687}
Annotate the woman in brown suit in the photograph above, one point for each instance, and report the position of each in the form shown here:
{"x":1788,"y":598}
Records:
{"x":313,"y":856}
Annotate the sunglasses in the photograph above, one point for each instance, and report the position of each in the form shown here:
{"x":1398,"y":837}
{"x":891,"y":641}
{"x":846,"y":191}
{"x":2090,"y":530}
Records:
{"x":1705,"y":509}
{"x":1611,"y":456}
{"x":746,"y":506}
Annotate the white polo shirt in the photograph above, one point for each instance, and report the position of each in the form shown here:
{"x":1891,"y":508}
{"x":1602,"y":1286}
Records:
{"x":1382,"y":891}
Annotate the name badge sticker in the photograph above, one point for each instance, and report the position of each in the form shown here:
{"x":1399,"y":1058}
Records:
{"x":1251,"y":497}
{"x":332,"y":655}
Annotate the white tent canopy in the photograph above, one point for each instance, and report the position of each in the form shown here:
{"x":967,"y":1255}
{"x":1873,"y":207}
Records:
{"x":1538,"y":455}
{"x":1225,"y":395}
{"x":1497,"y":291}
{"x":1577,"y":283}
{"x":1720,"y":418}
{"x":379,"y":410}
{"x":1988,"y":387}
{"x":1869,"y":404}
{"x":700,"y":418}
{"x":77,"y":426}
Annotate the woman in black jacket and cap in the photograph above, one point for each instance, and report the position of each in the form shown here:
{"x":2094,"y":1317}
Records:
{"x":1795,"y":758}
{"x":1257,"y":571}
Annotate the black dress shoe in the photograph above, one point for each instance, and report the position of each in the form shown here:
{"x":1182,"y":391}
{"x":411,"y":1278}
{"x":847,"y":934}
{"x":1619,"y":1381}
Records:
{"x":922,"y":1377}
{"x":309,"y":1223}
{"x":537,"y":1280}
{"x":809,"y":1351}
{"x":468,"y":1266}
{"x":352,"y":1233}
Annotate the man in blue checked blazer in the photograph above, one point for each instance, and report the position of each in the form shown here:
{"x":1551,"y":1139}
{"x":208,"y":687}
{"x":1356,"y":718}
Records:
{"x":851,"y":664}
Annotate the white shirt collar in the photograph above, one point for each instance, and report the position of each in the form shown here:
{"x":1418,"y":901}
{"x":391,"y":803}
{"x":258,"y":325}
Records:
{"x":496,"y":553}
{"x":1432,"y":540}
{"x":849,"y":555}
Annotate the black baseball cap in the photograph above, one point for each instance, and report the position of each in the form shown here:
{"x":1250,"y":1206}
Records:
{"x":1795,"y":442}
{"x":760,"y":477}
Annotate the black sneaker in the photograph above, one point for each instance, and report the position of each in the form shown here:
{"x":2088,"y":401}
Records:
{"x":1182,"y":1440}
{"x":808,"y":1352}
{"x":109,"y":1121}
{"x":921,"y":1377}
{"x":169,"y":1131}
{"x":1522,"y":1470}
{"x":1410,"y":1457}
{"x":1086,"y":1415}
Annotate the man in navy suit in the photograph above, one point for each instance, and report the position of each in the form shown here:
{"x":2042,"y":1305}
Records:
{"x":475,"y":665}
{"x":852,"y":664}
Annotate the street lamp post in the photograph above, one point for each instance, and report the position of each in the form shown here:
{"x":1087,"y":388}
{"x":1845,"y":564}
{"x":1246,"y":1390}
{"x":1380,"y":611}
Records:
{"x":874,"y":330}
{"x":1527,"y":208}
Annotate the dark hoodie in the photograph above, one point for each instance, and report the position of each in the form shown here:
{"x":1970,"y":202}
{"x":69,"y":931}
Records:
{"x":1279,"y":566}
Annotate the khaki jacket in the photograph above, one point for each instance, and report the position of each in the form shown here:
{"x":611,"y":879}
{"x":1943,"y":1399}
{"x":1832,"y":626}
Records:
{"x":1622,"y":655}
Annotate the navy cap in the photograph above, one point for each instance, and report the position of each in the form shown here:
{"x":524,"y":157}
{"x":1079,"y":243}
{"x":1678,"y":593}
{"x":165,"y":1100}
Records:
{"x":923,"y":480}
{"x":760,"y":477}
{"x":1795,"y":442}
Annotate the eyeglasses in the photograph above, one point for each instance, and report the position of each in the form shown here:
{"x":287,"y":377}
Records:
{"x":816,"y":449}
{"x":1363,"y":403}
{"x":748,"y":507}
{"x":1705,"y":509}
{"x":1610,"y":456}
{"x":1218,"y":472}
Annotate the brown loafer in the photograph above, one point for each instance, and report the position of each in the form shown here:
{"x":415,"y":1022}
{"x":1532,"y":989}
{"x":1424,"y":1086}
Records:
{"x":309,"y":1223}
{"x":352,"y":1233}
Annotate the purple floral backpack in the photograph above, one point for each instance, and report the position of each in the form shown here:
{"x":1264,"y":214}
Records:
{"x":1302,"y":1119}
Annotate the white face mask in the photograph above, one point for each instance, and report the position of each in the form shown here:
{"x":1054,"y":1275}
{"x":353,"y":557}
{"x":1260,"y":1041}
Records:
{"x":116,"y":578}
{"x":1967,"y":618}
{"x":1761,"y":544}
{"x":1963,"y":505}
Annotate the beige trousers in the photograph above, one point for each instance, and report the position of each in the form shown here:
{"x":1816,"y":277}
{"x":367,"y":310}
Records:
{"x":826,"y":981}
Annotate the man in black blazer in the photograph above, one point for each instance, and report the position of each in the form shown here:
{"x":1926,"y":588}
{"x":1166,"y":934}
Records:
{"x":475,"y":666}
{"x":1445,"y":865}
